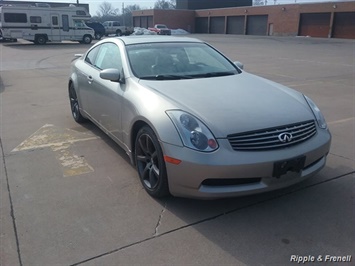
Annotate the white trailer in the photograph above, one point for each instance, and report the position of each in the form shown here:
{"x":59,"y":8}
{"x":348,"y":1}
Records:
{"x":42,"y":23}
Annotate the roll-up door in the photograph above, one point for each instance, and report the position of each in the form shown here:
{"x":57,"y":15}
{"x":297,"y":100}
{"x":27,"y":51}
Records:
{"x":257,"y":25}
{"x":144,"y":22}
{"x":314,"y":25}
{"x":235,"y":25}
{"x":344,"y":25}
{"x":217,"y":24}
{"x":201,"y":25}
{"x":136,"y":22}
{"x":150,"y":22}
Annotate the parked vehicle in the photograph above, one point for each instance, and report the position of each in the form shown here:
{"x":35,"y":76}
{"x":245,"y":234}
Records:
{"x":194,"y":123}
{"x":114,"y":27}
{"x":161,"y":29}
{"x":98,"y":28}
{"x":41,"y":24}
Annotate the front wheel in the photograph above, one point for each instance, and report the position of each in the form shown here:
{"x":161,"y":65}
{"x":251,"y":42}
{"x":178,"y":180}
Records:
{"x":86,"y":39}
{"x":150,"y":163}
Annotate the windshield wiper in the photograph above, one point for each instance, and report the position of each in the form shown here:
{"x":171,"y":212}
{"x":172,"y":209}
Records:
{"x":167,"y":77}
{"x":215,"y":74}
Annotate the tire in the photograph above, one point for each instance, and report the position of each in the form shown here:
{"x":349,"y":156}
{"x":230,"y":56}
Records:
{"x":86,"y":39}
{"x":74,"y":105}
{"x":41,"y":39}
{"x":150,"y":163}
{"x":118,"y":33}
{"x":98,"y":35}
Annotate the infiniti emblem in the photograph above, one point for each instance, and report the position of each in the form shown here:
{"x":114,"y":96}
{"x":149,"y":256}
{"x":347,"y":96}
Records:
{"x":285,"y":137}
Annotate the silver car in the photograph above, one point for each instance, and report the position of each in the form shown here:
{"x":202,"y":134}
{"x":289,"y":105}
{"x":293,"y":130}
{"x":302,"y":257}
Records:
{"x":194,"y":123}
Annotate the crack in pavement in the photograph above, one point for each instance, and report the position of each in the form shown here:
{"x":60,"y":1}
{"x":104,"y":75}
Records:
{"x":340,"y":156}
{"x":159,"y":220}
{"x":12,"y":212}
{"x":208,"y":218}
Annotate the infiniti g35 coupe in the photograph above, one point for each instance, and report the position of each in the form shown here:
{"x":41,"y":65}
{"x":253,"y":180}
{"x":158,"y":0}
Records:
{"x":194,"y":123}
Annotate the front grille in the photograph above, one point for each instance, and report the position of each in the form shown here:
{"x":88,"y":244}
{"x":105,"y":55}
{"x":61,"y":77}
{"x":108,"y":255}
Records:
{"x":269,"y":138}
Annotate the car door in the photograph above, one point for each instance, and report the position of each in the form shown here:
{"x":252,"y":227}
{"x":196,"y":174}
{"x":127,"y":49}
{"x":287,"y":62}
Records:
{"x":105,"y":97}
{"x":85,"y":69}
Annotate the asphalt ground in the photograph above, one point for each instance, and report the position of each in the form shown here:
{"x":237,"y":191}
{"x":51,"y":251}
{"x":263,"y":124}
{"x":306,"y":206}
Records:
{"x":97,"y":213}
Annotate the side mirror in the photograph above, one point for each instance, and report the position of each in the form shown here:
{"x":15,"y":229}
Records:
{"x":113,"y":75}
{"x":239,"y":64}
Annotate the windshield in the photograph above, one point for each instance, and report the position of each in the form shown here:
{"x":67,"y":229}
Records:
{"x":179,"y":60}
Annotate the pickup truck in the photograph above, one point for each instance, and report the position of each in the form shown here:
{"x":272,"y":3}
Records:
{"x":114,"y":27}
{"x":161,"y":29}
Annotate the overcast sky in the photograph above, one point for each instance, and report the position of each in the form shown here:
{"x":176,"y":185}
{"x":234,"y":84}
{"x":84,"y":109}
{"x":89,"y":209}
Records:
{"x":147,"y":4}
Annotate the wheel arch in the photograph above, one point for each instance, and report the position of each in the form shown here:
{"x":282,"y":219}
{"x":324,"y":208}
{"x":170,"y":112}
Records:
{"x":133,"y":135}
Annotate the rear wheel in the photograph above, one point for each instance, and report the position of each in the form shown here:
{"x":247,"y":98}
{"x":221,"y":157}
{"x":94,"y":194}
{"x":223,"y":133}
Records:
{"x":150,"y":163}
{"x":74,"y":105}
{"x":118,"y":33}
{"x":40,"y":39}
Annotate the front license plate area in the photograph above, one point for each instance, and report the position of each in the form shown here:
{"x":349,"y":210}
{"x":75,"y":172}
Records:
{"x":293,"y":165}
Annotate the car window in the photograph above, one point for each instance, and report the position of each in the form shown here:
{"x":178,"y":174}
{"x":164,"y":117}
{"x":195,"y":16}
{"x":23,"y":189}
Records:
{"x":109,"y":56}
{"x":79,"y":24}
{"x":90,"y":57}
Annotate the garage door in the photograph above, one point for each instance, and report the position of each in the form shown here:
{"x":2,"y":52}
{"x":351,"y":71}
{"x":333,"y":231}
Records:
{"x":235,"y":25}
{"x":144,"y":22}
{"x":217,"y":24}
{"x":257,"y":25}
{"x":344,"y":25}
{"x":201,"y":25}
{"x":314,"y":25}
{"x":136,"y":21}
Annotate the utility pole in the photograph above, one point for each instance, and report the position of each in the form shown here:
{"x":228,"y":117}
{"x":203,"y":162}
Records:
{"x":123,"y":20}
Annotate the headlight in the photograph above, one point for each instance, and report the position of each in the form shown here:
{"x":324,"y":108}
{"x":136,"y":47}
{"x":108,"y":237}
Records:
{"x":317,"y":113}
{"x":194,"y":134}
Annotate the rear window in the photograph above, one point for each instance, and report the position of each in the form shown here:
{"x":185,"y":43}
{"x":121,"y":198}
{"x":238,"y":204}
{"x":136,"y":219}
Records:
{"x":15,"y":17}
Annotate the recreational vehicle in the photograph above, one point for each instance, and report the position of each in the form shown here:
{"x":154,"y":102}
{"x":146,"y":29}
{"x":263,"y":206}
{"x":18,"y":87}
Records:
{"x":42,"y":23}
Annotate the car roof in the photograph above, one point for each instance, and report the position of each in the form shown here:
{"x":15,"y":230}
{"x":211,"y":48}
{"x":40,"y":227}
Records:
{"x":128,"y":40}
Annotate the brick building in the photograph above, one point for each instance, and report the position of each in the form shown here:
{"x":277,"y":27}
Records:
{"x":328,"y":20}
{"x":205,"y":4}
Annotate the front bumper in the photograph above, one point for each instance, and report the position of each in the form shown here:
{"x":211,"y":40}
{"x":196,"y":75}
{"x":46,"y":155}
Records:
{"x":229,"y":173}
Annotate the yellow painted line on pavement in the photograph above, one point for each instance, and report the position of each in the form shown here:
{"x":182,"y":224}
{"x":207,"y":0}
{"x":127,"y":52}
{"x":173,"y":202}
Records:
{"x":60,"y":140}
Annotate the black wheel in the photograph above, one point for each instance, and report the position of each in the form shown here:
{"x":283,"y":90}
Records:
{"x":150,"y":163}
{"x":118,"y":33}
{"x":86,"y":39}
{"x":41,"y":40}
{"x":98,"y":35}
{"x":74,"y":105}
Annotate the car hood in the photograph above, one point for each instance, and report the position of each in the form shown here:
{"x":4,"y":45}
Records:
{"x":235,"y":104}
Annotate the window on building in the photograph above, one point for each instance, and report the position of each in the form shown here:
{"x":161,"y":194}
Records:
{"x":15,"y":17}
